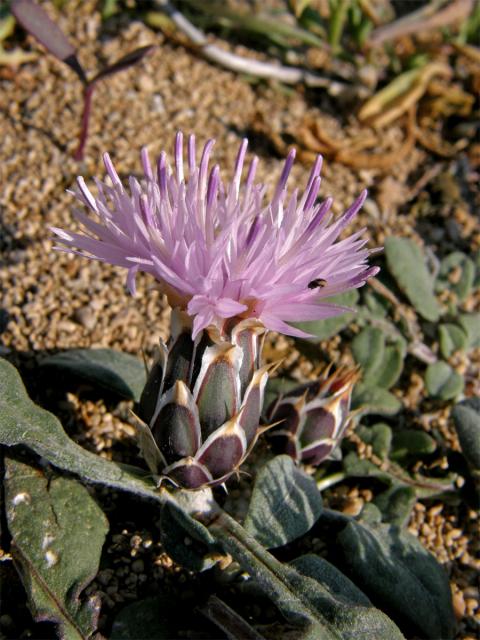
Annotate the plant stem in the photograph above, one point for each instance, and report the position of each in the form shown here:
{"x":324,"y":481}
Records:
{"x":329,"y":481}
{"x":87,"y":107}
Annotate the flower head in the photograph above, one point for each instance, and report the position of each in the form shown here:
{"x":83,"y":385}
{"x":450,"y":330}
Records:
{"x":218,"y":249}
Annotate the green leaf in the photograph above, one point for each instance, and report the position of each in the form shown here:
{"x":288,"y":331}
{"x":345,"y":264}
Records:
{"x":342,"y":602}
{"x":442,"y":381}
{"x":377,"y":306}
{"x":57,"y":534}
{"x":463,"y":283}
{"x":24,"y":423}
{"x":396,"y":504}
{"x":113,"y":371}
{"x":406,"y":263}
{"x":331,"y":578}
{"x":395,"y":571}
{"x":411,"y":442}
{"x":368,"y":350}
{"x":316,"y":610}
{"x":285,"y":503}
{"x":476,"y":261}
{"x":362,"y":468}
{"x":325,"y":329}
{"x":379,"y":436}
{"x":381,"y":364}
{"x":155,"y":618}
{"x":392,"y":366}
{"x":375,"y":400}
{"x":451,"y":338}
{"x":466,"y":417}
{"x":470,"y":323}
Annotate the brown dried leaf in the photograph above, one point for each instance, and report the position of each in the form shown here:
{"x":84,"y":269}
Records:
{"x":401,"y":94}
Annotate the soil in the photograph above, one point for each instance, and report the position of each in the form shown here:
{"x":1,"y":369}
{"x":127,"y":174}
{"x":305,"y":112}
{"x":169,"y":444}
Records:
{"x":53,"y":301}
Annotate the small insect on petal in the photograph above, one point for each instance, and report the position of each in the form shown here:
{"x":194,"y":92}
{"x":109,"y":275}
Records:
{"x":318,"y":283}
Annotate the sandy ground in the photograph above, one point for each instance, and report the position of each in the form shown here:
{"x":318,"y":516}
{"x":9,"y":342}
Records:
{"x":52,"y":301}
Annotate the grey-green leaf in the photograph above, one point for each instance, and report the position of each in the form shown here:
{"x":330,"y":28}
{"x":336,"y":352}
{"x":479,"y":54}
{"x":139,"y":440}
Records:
{"x":24,"y":423}
{"x":442,"y":381}
{"x":113,"y":371}
{"x":315,"y":610}
{"x":381,"y":364}
{"x":150,"y":619}
{"x":57,"y":533}
{"x":368,"y":349}
{"x":395,"y":571}
{"x":363,"y":468}
{"x":392,"y":366}
{"x":379,"y":436}
{"x":325,"y":329}
{"x":331,"y":578}
{"x":451,"y":338}
{"x":463,"y":282}
{"x":411,"y":442}
{"x":466,"y":416}
{"x":342,"y":602}
{"x":470,"y":323}
{"x":396,"y":504}
{"x":375,"y":400}
{"x":285,"y":503}
{"x":406,"y":262}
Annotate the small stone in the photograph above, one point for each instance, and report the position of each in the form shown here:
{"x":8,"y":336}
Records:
{"x":138,"y":566}
{"x":353,"y":506}
{"x":471,"y":605}
{"x":458,"y":605}
{"x":452,"y":535}
{"x":86,"y":317}
{"x":145,"y":83}
{"x":105,"y":576}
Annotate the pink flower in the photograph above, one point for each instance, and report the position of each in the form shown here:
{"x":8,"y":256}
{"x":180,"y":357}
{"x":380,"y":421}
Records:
{"x":218,"y":249}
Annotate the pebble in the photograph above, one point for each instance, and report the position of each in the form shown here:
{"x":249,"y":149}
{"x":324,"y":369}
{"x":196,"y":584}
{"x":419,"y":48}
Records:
{"x":458,"y":605}
{"x":86,"y":317}
{"x":138,"y":566}
{"x":353,"y":506}
{"x":145,"y":83}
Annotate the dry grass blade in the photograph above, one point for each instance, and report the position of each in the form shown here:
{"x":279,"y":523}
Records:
{"x":310,"y":139}
{"x":426,"y":19}
{"x":401,"y":94}
{"x":15,"y":57}
{"x":467,"y":50}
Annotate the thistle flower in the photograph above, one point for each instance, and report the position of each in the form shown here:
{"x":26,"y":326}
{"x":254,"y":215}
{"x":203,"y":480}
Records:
{"x":219,"y":251}
{"x":312,"y":418}
{"x":232,"y":266}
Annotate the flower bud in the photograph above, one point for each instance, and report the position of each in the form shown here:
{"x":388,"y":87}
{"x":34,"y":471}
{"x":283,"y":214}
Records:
{"x":313,"y":417}
{"x":202,"y":402}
